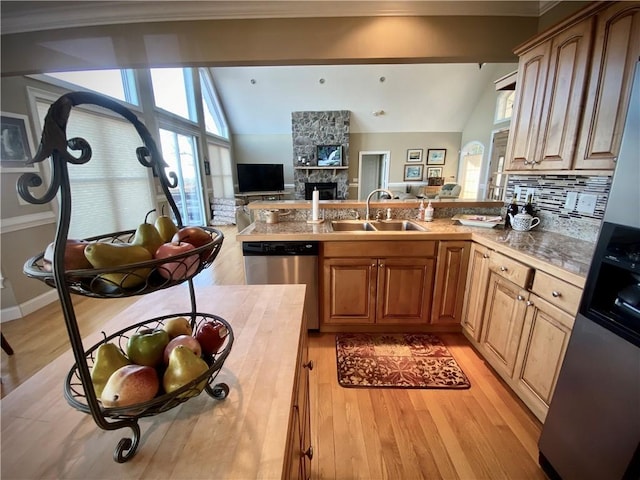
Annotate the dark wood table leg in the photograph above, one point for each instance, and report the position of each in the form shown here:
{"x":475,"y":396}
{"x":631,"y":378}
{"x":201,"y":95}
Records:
{"x":5,"y":345}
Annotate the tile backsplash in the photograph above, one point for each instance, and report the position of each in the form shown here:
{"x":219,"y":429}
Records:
{"x":550,"y":197}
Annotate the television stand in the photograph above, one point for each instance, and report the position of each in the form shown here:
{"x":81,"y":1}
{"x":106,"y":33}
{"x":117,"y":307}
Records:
{"x":272,"y":195}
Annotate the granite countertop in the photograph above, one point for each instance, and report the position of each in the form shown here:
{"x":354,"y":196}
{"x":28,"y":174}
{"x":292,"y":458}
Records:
{"x":566,"y":257}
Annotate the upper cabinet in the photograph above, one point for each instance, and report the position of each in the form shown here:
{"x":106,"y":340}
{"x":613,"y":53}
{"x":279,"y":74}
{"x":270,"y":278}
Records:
{"x":615,"y":55}
{"x":573,"y":91}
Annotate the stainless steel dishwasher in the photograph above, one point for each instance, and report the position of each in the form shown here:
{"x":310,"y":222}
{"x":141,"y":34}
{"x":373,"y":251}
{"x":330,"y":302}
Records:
{"x":277,"y":263}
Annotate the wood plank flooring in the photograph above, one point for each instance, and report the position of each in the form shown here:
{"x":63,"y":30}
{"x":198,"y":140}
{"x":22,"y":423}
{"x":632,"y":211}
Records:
{"x":484,"y":432}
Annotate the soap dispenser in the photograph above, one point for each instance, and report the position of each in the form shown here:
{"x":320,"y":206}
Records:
{"x":421,"y":210}
{"x":428,"y":213}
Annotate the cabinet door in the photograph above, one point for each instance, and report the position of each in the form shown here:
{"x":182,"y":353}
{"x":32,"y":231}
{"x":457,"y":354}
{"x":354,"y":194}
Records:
{"x":545,"y":337}
{"x":476,"y":291}
{"x":615,"y":54}
{"x":525,"y":123}
{"x":405,"y":288}
{"x":451,"y":277}
{"x":349,"y":290}
{"x":503,"y":320}
{"x":564,"y":93}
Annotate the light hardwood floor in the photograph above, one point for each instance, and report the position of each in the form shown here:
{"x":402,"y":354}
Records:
{"x":482,"y":432}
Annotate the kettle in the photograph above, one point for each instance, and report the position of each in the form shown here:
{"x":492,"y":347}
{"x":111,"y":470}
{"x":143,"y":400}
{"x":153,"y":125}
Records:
{"x":523,"y":221}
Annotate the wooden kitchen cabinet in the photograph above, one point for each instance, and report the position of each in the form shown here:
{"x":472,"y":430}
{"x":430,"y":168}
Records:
{"x":503,"y":321}
{"x":451,"y":278}
{"x":476,"y":291}
{"x":300,"y":450}
{"x":573,"y":89}
{"x":544,"y":340}
{"x":613,"y":63}
{"x":377,"y":282}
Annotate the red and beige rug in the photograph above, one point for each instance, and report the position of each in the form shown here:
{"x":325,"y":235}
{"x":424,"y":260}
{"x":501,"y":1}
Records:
{"x":396,"y":361}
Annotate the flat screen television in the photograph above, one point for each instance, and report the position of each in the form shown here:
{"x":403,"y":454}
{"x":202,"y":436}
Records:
{"x":260,"y":177}
{"x":329,"y":155}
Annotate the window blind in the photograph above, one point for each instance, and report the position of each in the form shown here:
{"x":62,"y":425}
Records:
{"x":112,"y":192}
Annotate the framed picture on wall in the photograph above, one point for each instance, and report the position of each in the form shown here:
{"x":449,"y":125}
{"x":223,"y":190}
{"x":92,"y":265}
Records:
{"x":434,"y":172}
{"x":16,"y":144}
{"x":436,"y":156}
{"x":414,"y":155}
{"x":413,"y":173}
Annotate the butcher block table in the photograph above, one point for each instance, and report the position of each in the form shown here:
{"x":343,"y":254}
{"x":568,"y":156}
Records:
{"x":241,"y":437}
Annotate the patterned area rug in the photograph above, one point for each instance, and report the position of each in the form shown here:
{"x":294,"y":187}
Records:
{"x":397,"y":361}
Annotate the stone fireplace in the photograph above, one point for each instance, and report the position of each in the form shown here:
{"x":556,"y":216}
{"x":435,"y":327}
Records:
{"x":310,"y":129}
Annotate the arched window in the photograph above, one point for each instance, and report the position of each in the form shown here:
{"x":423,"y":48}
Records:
{"x":470,"y":168}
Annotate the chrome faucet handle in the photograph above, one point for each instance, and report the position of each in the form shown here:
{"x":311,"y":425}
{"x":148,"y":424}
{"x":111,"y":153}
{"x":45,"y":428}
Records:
{"x":378,"y":215}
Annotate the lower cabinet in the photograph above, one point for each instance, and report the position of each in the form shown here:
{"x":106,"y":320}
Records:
{"x":451,"y":278}
{"x":520,"y":321}
{"x":377,"y":283}
{"x":544,"y":340}
{"x":503,"y":322}
{"x":300,"y":450}
{"x":476,"y":291}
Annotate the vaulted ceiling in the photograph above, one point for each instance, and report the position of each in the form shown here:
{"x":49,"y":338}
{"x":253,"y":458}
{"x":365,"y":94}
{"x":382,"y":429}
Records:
{"x":259,"y":100}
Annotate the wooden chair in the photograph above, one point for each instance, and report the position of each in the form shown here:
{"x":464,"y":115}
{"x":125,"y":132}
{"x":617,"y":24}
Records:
{"x":5,"y":345}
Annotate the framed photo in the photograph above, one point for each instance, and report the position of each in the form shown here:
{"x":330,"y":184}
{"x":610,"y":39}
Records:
{"x":16,"y":144}
{"x":436,"y":156}
{"x":434,"y":172}
{"x":414,"y":155}
{"x":413,"y":173}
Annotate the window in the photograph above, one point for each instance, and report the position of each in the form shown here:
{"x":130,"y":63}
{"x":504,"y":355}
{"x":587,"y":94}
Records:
{"x":173,"y":91}
{"x":119,"y":84}
{"x":179,"y":151}
{"x":214,"y":119}
{"x":470,"y":168}
{"x":504,"y":105}
{"x":111,"y":192}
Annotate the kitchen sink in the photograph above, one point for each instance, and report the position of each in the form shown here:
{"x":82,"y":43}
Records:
{"x":376,"y":226}
{"x":351,"y":226}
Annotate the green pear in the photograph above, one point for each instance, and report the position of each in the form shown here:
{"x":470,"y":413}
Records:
{"x":165,"y":227}
{"x":111,"y":255}
{"x":184,"y":367}
{"x":109,"y":358}
{"x":147,"y":236}
{"x":129,"y":385}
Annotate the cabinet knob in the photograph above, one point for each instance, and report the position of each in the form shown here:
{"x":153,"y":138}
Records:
{"x":520,"y":298}
{"x":485,"y":255}
{"x":309,"y":365}
{"x":529,"y":303}
{"x":308,"y":452}
{"x":373,"y":265}
{"x":555,"y":294}
{"x":382,"y":265}
{"x":503,"y":269}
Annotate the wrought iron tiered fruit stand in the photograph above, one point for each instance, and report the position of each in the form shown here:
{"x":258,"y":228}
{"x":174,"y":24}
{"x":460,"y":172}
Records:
{"x":118,"y":281}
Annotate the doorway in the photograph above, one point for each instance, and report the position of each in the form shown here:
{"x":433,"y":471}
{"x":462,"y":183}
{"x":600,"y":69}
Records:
{"x":373,"y":172}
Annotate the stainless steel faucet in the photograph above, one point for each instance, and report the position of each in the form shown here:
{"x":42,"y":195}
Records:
{"x":366,"y":215}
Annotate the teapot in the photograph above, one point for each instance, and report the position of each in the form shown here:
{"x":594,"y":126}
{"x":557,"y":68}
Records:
{"x":523,"y":221}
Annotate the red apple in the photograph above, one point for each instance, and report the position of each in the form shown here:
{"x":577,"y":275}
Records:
{"x":180,"y":269}
{"x":211,"y":336}
{"x":74,"y":258}
{"x":187,"y":340}
{"x":196,"y":236}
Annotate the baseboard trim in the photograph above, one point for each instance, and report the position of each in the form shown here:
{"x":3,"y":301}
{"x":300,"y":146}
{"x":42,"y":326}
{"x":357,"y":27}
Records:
{"x":30,"y":306}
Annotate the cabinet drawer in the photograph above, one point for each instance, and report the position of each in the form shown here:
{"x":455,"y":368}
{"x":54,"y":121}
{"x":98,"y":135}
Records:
{"x":511,"y":269}
{"x":557,"y":292}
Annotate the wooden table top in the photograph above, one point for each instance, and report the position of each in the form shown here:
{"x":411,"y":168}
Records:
{"x":241,"y":437}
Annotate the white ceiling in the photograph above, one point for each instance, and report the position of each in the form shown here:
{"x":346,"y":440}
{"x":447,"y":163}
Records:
{"x":414,"y":98}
